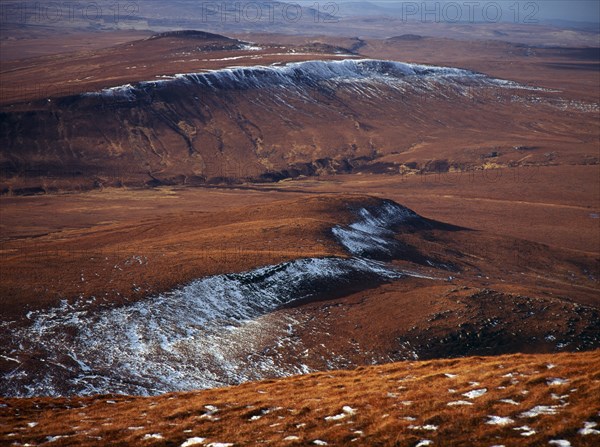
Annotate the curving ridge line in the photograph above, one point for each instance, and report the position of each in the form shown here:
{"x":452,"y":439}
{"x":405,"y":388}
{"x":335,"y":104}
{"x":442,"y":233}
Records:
{"x":298,"y":74}
{"x":207,"y":333}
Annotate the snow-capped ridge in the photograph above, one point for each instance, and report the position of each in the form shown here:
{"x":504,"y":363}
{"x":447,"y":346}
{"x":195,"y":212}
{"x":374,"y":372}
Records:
{"x":210,"y":332}
{"x":317,"y":72}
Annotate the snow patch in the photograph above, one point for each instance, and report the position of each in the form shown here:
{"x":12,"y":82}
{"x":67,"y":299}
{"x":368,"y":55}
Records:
{"x":337,"y":417}
{"x":509,"y":401}
{"x":193,"y":441}
{"x":589,"y":429}
{"x":525,"y":430}
{"x":348,"y":410}
{"x":250,"y":47}
{"x":473,"y":394}
{"x":540,"y":410}
{"x":499,"y":420}
{"x":424,"y":442}
{"x":427,"y":427}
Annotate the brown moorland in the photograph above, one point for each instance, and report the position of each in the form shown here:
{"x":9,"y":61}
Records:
{"x":128,"y":249}
{"x":141,"y":59}
{"x":510,"y":190}
{"x":475,"y":293}
{"x":134,"y":258}
{"x":269,"y":134}
{"x":516,"y":400}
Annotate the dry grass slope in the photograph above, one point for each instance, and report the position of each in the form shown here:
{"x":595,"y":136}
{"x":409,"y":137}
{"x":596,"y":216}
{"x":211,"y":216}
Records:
{"x":533,"y":400}
{"x":137,"y":258}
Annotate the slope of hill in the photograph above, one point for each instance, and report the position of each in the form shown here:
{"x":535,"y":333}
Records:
{"x":381,"y":282}
{"x":515,"y":400}
{"x":160,"y":54}
{"x":270,"y":123}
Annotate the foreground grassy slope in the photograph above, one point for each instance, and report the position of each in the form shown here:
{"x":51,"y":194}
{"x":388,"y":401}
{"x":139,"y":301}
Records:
{"x":513,"y":400}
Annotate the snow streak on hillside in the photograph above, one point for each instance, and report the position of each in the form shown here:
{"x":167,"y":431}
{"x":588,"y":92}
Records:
{"x":211,"y":332}
{"x":372,"y":234}
{"x":299,"y":75}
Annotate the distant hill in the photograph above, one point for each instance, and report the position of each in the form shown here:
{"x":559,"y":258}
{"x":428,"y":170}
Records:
{"x":189,"y":34}
{"x":260,"y":123}
{"x":405,"y":37}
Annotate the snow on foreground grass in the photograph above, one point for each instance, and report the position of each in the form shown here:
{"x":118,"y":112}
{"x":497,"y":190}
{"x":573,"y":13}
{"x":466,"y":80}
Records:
{"x":336,"y":408}
{"x":215,"y":331}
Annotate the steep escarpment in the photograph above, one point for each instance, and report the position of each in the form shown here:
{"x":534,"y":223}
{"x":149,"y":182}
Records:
{"x":258,"y":123}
